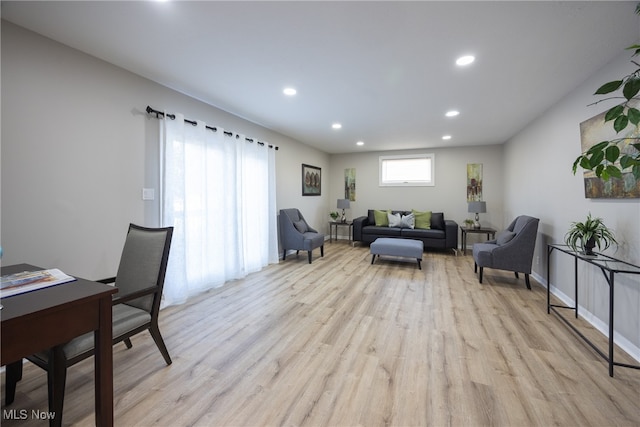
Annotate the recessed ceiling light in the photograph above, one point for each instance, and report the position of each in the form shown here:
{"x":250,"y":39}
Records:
{"x":336,"y":126}
{"x":465,"y":60}
{"x":289,"y":91}
{"x":446,"y":137}
{"x":359,"y":143}
{"x":452,"y":113}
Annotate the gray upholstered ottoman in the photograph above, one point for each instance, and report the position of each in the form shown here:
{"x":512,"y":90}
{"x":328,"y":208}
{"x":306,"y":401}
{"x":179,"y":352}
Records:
{"x":397,"y":247}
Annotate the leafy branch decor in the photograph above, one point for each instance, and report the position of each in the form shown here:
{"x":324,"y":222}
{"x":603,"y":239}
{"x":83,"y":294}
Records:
{"x":584,"y":236}
{"x":611,"y":158}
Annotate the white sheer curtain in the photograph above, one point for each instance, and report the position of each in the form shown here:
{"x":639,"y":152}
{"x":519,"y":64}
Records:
{"x":218,"y":192}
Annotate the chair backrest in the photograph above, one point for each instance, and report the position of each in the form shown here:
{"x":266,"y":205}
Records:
{"x":522,"y":246}
{"x":143,"y":265}
{"x":292,"y":214}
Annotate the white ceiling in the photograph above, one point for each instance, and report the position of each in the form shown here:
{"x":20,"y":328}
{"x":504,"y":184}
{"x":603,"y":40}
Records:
{"x":385,"y":70}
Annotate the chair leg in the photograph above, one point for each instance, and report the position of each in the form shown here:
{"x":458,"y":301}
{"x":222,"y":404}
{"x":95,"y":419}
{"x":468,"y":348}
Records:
{"x":284,"y":255}
{"x":322,"y":250}
{"x":526,"y":280}
{"x":373,"y":258}
{"x":56,"y":379}
{"x":309,"y":255}
{"x":475,"y":267}
{"x":127,"y":342}
{"x":480,"y":274}
{"x":13,"y":375}
{"x":517,"y":277}
{"x":155,"y":334}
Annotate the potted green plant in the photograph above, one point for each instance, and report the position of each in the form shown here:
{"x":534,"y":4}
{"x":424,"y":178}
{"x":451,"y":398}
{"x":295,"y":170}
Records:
{"x":611,"y":158}
{"x":468,"y":223}
{"x":334,"y":215}
{"x":584,"y":236}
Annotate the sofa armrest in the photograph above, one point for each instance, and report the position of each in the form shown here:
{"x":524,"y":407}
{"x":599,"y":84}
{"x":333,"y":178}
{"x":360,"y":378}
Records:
{"x":358,"y":223}
{"x":451,"y":233}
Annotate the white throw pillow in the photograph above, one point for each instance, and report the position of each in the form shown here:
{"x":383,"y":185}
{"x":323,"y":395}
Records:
{"x":394,"y":219}
{"x":401,"y":221}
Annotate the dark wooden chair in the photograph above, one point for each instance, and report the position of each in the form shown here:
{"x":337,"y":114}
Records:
{"x":136,"y":306}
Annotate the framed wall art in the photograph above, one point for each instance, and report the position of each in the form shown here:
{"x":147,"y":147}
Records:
{"x":474,"y":182}
{"x":311,"y":180}
{"x":594,"y":130}
{"x":350,"y":184}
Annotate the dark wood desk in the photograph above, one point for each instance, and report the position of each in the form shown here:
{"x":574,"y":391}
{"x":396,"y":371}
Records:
{"x":50,"y":317}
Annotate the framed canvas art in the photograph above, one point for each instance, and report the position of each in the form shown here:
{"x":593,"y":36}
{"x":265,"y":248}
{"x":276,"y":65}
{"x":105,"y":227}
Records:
{"x":350,"y":184}
{"x":594,"y":130}
{"x":311,"y":180}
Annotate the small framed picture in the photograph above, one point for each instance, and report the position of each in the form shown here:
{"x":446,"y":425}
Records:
{"x":311,"y":180}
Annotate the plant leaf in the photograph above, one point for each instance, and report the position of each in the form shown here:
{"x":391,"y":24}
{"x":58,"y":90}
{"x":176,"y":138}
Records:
{"x":614,"y":113}
{"x":612,"y":153}
{"x":634,"y":115}
{"x":596,"y":159}
{"x":631,"y":87}
{"x":626,"y":161}
{"x":608,"y":87}
{"x":598,"y":147}
{"x":613,"y":171}
{"x":599,"y":169}
{"x":636,"y":171}
{"x":620,"y":123}
{"x":574,"y":168}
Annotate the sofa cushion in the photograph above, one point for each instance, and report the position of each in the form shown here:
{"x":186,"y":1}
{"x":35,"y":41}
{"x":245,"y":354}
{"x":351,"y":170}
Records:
{"x":420,"y":233}
{"x":437,"y":220}
{"x":381,"y":231}
{"x":423,"y":219}
{"x":381,"y":218}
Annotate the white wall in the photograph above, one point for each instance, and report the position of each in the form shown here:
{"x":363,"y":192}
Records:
{"x":77,"y":149}
{"x":449,"y":195}
{"x":538,"y":164}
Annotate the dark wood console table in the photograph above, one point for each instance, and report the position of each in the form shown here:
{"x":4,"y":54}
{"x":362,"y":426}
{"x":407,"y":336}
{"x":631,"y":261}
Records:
{"x":610,"y":267}
{"x":48,"y":318}
{"x":490,"y":232}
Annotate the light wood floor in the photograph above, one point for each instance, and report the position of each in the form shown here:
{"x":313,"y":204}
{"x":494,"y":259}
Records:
{"x":341,"y":342}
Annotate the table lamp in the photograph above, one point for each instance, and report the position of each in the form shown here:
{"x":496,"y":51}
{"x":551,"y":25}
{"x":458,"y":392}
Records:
{"x":343,"y":204}
{"x":477,"y":207}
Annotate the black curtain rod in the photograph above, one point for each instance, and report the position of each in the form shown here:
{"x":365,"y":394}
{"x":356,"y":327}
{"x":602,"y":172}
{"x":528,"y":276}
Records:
{"x":194,"y":123}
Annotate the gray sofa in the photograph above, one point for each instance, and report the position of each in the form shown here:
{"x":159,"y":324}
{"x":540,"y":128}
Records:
{"x":443,"y":233}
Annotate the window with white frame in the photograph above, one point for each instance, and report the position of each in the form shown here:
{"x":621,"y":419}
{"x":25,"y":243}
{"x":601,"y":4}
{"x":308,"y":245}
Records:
{"x":409,"y":170}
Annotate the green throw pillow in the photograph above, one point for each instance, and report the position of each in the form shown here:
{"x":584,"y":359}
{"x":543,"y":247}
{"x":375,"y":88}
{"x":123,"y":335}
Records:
{"x":381,"y":218}
{"x":423,"y":219}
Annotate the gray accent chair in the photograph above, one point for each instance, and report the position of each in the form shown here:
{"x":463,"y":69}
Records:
{"x":296,"y":234}
{"x":512,"y":249}
{"x":136,"y":306}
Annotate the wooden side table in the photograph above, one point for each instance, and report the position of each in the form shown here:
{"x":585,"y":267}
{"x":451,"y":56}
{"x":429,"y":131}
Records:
{"x":490,"y":232}
{"x":337,"y":224}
